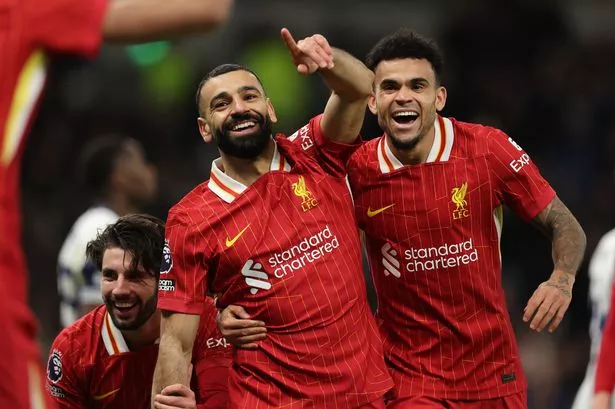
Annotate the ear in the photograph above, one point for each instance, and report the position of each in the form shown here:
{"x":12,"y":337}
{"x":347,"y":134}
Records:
{"x":371,"y":104}
{"x":204,"y":130}
{"x":271,"y":112}
{"x":440,"y":98}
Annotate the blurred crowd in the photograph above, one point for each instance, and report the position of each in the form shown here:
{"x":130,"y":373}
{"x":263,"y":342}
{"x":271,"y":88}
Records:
{"x":541,"y":71}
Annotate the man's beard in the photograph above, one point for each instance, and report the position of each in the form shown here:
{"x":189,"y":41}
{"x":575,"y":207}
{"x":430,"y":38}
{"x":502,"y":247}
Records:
{"x":409,"y":144}
{"x":404,"y":145}
{"x":245,"y":147}
{"x":145,"y":311}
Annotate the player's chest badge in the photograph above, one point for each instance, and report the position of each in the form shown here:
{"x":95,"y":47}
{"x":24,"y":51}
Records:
{"x":458,"y":198}
{"x":300,"y":189}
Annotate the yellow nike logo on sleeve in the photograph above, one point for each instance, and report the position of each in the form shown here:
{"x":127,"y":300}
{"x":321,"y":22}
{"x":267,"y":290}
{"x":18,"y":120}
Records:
{"x":372,"y":213}
{"x":105,"y":395}
{"x":230,"y":242}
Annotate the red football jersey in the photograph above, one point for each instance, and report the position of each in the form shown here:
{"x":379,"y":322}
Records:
{"x":90,"y":365}
{"x":287,"y":249}
{"x":433,"y":239}
{"x":605,"y":368}
{"x":28,"y":28}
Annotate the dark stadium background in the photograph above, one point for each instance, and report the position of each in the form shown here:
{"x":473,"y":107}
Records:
{"x":543,"y":71}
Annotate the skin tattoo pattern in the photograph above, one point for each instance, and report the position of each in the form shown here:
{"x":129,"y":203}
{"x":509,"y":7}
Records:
{"x":558,"y":223}
{"x":563,"y":285}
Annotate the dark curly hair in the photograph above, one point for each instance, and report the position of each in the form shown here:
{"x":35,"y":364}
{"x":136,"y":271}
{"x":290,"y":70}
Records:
{"x":405,"y":43}
{"x":141,"y":235}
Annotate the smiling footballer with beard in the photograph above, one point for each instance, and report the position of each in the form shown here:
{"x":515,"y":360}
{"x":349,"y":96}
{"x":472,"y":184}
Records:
{"x":265,"y":195}
{"x":105,"y":358}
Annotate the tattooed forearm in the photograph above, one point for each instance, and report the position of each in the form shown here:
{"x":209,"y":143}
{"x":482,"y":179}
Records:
{"x":566,"y":234}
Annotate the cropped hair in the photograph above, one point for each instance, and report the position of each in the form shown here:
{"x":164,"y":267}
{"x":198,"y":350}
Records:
{"x":220,"y":70}
{"x":405,"y":43}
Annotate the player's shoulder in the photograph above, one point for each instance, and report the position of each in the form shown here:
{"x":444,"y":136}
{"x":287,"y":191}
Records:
{"x":199,"y":203}
{"x":298,"y":144}
{"x":366,"y":153}
{"x":304,"y":135}
{"x":474,"y":132}
{"x":290,"y":146}
{"x":369,"y":147}
{"x":76,"y":350}
{"x":80,"y":339}
{"x":474,"y":139}
{"x":305,"y":139}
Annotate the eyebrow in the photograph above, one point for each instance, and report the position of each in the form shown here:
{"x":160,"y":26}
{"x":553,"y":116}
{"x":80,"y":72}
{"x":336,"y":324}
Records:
{"x":388,"y":81}
{"x":108,"y":270}
{"x":224,"y":94}
{"x":391,"y":81}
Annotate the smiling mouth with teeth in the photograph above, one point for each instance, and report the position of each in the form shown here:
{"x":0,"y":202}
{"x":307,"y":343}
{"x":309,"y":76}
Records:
{"x":124,"y":305}
{"x":243,"y":125}
{"x":405,"y":117}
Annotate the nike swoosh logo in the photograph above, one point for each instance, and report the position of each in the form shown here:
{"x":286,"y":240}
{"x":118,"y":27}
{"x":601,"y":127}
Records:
{"x":230,"y":242}
{"x":372,"y":213}
{"x":105,"y":395}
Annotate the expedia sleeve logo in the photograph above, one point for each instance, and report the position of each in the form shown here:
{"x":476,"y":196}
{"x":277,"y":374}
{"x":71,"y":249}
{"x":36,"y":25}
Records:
{"x":167,"y":260}
{"x":303,"y":137}
{"x":54,"y":367}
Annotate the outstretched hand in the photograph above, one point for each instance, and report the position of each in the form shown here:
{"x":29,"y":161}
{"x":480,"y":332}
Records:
{"x":310,"y":54}
{"x":549,"y":302}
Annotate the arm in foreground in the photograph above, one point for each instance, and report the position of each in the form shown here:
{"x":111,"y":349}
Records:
{"x":177,"y":334}
{"x":551,"y":299}
{"x":148,"y":20}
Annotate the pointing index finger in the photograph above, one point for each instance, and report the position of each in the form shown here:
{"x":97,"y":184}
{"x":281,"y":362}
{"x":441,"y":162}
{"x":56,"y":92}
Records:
{"x":290,"y":42}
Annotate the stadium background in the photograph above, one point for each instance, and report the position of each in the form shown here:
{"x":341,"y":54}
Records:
{"x":540,"y":70}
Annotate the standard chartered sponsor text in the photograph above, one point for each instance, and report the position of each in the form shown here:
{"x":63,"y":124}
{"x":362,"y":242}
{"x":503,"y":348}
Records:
{"x":308,"y":250}
{"x":444,"y":256}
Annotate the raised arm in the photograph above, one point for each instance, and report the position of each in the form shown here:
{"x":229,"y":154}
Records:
{"x":550,"y":301}
{"x":177,"y":334}
{"x":147,"y":20}
{"x":348,"y":78}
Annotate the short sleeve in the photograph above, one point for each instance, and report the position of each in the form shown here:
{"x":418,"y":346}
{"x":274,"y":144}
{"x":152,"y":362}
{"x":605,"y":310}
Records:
{"x":518,"y":182}
{"x":67,"y":26}
{"x":212,"y":358}
{"x":605,"y":370}
{"x":182,"y":286}
{"x":62,"y":382}
{"x":333,"y":156}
